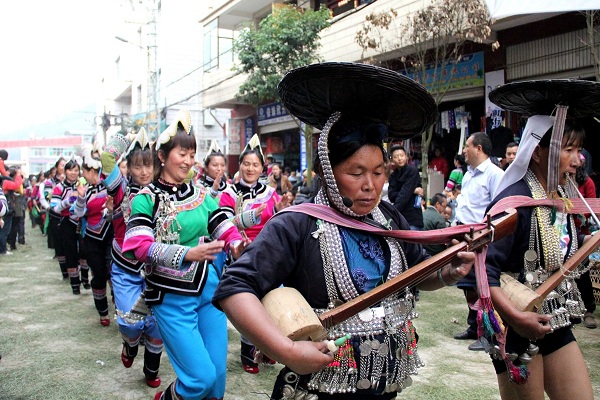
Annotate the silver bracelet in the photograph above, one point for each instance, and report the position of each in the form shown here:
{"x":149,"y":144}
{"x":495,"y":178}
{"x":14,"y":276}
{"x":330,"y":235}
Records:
{"x":441,"y":278}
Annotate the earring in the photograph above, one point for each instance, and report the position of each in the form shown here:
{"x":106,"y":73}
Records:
{"x":162,"y":164}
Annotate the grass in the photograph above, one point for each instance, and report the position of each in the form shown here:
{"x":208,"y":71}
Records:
{"x":53,"y":346}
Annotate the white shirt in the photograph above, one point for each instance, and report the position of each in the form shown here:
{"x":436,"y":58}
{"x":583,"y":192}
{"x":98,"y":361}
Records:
{"x":478,"y":190}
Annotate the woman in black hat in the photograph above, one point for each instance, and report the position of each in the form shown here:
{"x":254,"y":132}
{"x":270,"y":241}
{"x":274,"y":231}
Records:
{"x":356,"y":106}
{"x":541,"y":354}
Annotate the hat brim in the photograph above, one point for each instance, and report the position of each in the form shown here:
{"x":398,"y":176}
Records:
{"x":314,"y":92}
{"x":541,"y":97}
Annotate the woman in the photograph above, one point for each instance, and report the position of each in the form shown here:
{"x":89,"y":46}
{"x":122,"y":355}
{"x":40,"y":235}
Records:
{"x":278,"y":180}
{"x":97,"y":231}
{"x":545,"y":238}
{"x":66,"y":225}
{"x":126,"y":276}
{"x":403,"y":183}
{"x":455,"y":179}
{"x":214,"y":171}
{"x":54,"y":178}
{"x":329,"y":264}
{"x":250,"y":204}
{"x":170,"y":229}
{"x":587,"y":188}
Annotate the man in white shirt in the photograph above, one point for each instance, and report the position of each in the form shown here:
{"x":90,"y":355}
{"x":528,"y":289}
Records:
{"x":478,"y":190}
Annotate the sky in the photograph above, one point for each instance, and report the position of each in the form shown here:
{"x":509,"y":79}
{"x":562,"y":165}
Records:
{"x":53,"y":57}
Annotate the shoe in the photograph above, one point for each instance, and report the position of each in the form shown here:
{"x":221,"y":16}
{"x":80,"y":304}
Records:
{"x":87,"y":286}
{"x":158,"y":396}
{"x":127,"y":361}
{"x":466,"y":335}
{"x":251,"y":369}
{"x":104,"y":321}
{"x":7,"y":253}
{"x":76,"y":291}
{"x":476,"y":346}
{"x":589,"y":321}
{"x":154,"y":382}
{"x":269,"y":361}
{"x":13,"y":247}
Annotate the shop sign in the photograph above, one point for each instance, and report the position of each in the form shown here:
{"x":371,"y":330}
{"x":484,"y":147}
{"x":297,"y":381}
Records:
{"x":248,"y":129}
{"x":468,"y":72}
{"x":272,"y":113}
{"x":303,"y":159}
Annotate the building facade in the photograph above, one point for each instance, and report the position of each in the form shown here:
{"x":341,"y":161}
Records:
{"x":534,"y":46}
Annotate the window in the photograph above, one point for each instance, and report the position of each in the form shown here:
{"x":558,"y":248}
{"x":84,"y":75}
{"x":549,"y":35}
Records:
{"x":218,"y":46}
{"x":37,"y":152}
{"x":55,"y":151}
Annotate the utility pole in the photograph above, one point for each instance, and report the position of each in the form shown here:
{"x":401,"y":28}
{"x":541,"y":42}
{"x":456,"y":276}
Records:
{"x":153,"y":114}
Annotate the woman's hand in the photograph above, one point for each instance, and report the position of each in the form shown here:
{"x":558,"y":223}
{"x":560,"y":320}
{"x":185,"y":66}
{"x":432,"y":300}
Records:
{"x":305,"y":357}
{"x":286,"y":200}
{"x":205,"y":251}
{"x":419,"y":191}
{"x":459,"y":271}
{"x":532,"y":325}
{"x":81,"y":189}
{"x":236,"y":250}
{"x":217,"y":182}
{"x":259,"y":210}
{"x":109,"y":204}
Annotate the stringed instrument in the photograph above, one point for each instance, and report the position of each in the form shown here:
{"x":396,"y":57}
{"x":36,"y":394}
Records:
{"x":297,"y":320}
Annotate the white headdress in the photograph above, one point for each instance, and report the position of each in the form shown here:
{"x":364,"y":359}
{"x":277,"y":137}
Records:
{"x":139,"y":140}
{"x":535,"y":128}
{"x":213,"y":149}
{"x":183,"y":117}
{"x":254,"y":144}
{"x":88,"y":159}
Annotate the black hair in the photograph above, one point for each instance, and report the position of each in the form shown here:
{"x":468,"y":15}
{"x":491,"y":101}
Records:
{"x":461,"y":160}
{"x":70,"y":164}
{"x":139,"y":156}
{"x":512,"y":144}
{"x":3,"y":154}
{"x":210,"y":157}
{"x":58,"y":162}
{"x":437,"y":198}
{"x":186,"y":141}
{"x":574,"y":135}
{"x":252,"y":151}
{"x":349,"y":134}
{"x":483,"y":140}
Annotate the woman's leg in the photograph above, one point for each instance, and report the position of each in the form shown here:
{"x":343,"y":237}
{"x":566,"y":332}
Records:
{"x":178,"y":321}
{"x":94,"y":253}
{"x":566,"y":375}
{"x":533,"y":389}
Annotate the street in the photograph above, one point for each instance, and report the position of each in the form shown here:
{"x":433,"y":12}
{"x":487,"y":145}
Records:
{"x":53,"y":346}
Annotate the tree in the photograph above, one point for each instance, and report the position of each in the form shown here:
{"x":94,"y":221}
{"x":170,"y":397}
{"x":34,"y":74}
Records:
{"x":592,"y":19}
{"x":435,"y":35}
{"x":286,"y":39}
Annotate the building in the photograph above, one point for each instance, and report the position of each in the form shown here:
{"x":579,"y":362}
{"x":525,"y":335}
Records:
{"x":37,"y":155}
{"x":156,"y":71}
{"x":533,"y":46}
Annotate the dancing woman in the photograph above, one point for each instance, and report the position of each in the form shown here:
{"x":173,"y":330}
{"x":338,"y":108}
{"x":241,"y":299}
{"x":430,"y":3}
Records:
{"x":97,"y":231}
{"x":356,"y":106}
{"x":178,"y":231}
{"x":213,"y":178}
{"x":126,"y":274}
{"x":250,"y":204}
{"x":545,"y":238}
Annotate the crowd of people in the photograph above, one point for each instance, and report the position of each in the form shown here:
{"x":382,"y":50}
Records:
{"x":180,"y":248}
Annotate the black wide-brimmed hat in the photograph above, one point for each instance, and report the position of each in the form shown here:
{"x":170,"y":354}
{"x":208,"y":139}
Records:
{"x":313,"y":93}
{"x":541,"y":97}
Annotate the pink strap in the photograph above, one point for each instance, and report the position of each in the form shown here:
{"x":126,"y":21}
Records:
{"x":578,"y":206}
{"x":437,"y":236}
